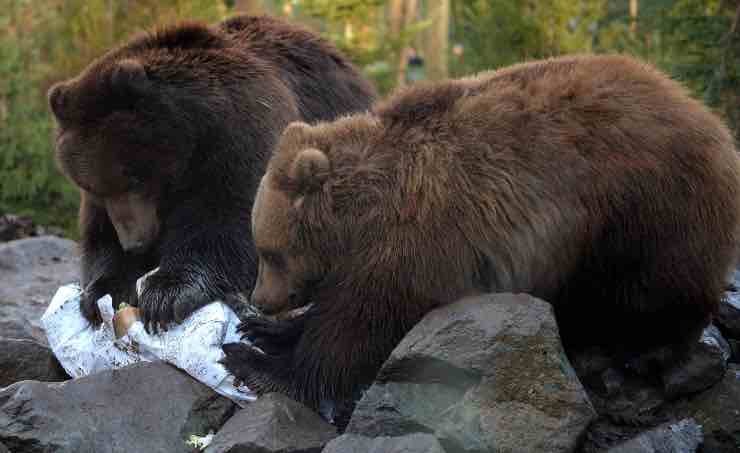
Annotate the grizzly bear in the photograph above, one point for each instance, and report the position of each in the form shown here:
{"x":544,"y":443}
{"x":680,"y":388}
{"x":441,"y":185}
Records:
{"x":593,"y":182}
{"x":167,"y":137}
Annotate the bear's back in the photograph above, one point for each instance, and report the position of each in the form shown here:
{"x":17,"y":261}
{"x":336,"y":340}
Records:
{"x":326,"y":84}
{"x":545,"y":159}
{"x":587,"y":114}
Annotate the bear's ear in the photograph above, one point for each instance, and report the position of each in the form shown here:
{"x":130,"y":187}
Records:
{"x":296,"y":129}
{"x":128,"y":77}
{"x":57,"y":99}
{"x":309,"y":170}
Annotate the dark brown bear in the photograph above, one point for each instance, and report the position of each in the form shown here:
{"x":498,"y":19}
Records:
{"x":593,"y":182}
{"x":167,"y":137}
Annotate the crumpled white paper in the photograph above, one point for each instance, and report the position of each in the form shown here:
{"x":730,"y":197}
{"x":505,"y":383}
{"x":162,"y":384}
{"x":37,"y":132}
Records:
{"x":193,"y":346}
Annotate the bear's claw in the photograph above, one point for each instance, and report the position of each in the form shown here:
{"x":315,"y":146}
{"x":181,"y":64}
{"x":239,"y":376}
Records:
{"x":260,"y":372}
{"x":89,"y":305}
{"x":120,"y":292}
{"x":273,"y":337}
{"x":166,"y":300}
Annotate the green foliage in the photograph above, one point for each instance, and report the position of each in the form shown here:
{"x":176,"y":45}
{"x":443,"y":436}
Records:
{"x":42,"y":42}
{"x":85,"y":29}
{"x":359,"y":29}
{"x":689,"y":39}
{"x":29,"y":180}
{"x":495,"y":33}
{"x":45,"y":41}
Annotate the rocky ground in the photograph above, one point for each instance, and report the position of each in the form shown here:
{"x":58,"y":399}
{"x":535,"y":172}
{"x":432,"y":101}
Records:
{"x":484,"y":374}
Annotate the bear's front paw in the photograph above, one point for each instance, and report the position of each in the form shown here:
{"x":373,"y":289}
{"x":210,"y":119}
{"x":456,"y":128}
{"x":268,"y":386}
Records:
{"x":166,"y":300}
{"x":273,"y":337}
{"x":119,"y":291}
{"x":89,"y":303}
{"x":260,"y":372}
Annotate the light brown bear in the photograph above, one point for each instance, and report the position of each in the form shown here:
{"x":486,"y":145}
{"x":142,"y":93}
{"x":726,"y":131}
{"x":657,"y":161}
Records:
{"x":593,"y":182}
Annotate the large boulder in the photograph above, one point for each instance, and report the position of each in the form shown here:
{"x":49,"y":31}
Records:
{"x":684,"y":436}
{"x":728,"y":315}
{"x":717,"y":410}
{"x":273,"y":424}
{"x":629,"y":402}
{"x":704,"y":367}
{"x":484,"y":374}
{"x":410,"y":443}
{"x":147,"y":407}
{"x":31,"y":270}
{"x":15,"y":227}
{"x":24,"y":359}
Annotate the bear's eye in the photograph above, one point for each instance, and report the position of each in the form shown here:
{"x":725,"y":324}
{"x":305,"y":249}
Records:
{"x":135,"y":180}
{"x":273,"y":259}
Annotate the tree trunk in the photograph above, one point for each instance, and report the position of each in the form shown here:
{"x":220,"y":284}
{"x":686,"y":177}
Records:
{"x":401,"y":14}
{"x":252,"y":7}
{"x":633,"y":17}
{"x":395,"y":17}
{"x":437,"y":44}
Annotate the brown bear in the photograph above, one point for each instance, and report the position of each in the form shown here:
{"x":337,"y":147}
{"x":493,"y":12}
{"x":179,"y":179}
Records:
{"x":593,"y":182}
{"x":167,"y":137}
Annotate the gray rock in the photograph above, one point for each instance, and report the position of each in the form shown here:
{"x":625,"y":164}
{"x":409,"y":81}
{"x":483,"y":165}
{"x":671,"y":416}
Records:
{"x":3,"y":449}
{"x":273,"y":423}
{"x":15,"y":227}
{"x":705,"y":366}
{"x":484,"y":374}
{"x":735,"y":348}
{"x":611,"y":381}
{"x":728,"y":316}
{"x":411,"y":443}
{"x":27,"y":360}
{"x":590,"y":363}
{"x":684,"y":436}
{"x":147,"y":407}
{"x":597,"y":370}
{"x":31,"y":270}
{"x":718,"y":411}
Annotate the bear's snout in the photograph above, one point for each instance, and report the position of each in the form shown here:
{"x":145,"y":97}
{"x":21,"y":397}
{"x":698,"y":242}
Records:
{"x":267,"y":304}
{"x":135,"y":220}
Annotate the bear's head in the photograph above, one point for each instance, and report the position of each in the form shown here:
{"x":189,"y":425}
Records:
{"x":304,"y":212}
{"x":106,"y":147}
{"x":142,"y":120}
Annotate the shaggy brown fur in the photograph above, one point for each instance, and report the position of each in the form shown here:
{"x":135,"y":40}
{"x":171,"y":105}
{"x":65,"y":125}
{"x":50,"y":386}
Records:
{"x":168,"y":135}
{"x":593,"y":182}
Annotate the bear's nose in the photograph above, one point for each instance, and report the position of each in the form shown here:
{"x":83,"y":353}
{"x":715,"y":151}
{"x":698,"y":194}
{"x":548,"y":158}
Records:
{"x":136,"y":248}
{"x":255,"y":301}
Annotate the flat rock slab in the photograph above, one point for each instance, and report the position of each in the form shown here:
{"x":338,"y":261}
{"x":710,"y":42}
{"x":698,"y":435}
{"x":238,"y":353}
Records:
{"x":273,"y":424}
{"x":735,"y":348}
{"x":717,"y":410}
{"x":147,"y":407}
{"x":704,"y":367}
{"x":24,"y":359}
{"x":15,"y":227}
{"x":411,"y":443}
{"x":728,"y":316}
{"x":683,"y":436}
{"x":483,"y":374}
{"x":31,"y":270}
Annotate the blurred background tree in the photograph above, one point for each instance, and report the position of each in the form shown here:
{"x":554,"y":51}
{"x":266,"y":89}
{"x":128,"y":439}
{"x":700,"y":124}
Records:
{"x":395,"y":42}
